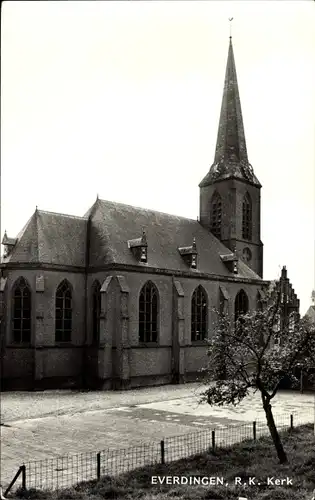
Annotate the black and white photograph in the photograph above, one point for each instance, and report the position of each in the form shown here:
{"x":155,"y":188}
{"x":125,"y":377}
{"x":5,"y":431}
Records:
{"x":157,"y":273}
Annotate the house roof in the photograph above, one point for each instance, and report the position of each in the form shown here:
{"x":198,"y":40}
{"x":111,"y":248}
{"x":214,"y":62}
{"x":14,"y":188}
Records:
{"x":113,"y":224}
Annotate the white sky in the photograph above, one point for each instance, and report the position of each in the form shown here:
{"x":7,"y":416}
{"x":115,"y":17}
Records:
{"x":123,"y":99}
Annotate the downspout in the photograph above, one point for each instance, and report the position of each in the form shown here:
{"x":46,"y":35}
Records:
{"x":175,"y":347}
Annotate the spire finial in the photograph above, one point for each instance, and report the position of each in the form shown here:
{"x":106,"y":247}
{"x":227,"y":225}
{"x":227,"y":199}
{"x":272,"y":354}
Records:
{"x":230,"y":19}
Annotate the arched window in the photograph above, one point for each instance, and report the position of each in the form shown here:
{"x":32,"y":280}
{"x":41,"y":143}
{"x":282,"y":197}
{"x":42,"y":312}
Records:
{"x":96,"y":311}
{"x":199,"y":314}
{"x":216,"y":215}
{"x":22,"y":312}
{"x":241,"y":304}
{"x":63,"y":325}
{"x":148,"y":313}
{"x":247,"y":218}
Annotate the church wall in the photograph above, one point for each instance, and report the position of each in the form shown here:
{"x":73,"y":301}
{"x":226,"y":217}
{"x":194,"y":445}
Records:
{"x":232,"y":193}
{"x":18,"y":363}
{"x":150,"y":364}
{"x":164,"y":286}
{"x":254,"y":245}
{"x":110,"y":306}
{"x":61,"y":362}
{"x":48,"y":360}
{"x":150,"y":361}
{"x":196,"y":352}
{"x":145,"y":365}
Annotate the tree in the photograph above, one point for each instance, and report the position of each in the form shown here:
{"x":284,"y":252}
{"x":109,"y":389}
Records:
{"x":258,"y":352}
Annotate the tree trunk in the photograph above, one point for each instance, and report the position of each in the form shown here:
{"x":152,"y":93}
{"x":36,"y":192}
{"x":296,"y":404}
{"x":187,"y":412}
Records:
{"x":274,"y":432}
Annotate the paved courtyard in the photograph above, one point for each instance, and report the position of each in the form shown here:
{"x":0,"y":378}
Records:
{"x":41,"y":425}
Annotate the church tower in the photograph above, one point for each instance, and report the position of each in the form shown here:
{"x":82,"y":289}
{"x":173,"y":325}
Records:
{"x":230,"y":192}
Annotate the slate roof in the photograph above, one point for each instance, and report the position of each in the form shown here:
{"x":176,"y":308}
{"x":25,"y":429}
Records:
{"x":8,"y":241}
{"x":231,"y":160}
{"x":113,"y":224}
{"x":51,"y":238}
{"x":54,"y":238}
{"x":310,"y":313}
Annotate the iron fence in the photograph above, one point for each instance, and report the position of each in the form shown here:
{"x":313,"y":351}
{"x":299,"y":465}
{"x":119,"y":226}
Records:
{"x":62,"y":472}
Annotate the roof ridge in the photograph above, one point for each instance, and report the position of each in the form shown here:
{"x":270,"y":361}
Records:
{"x":63,"y":215}
{"x":147,"y":210}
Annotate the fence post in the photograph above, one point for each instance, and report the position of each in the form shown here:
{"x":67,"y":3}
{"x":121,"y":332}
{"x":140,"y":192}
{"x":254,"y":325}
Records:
{"x":23,"y":470}
{"x":162,"y":452}
{"x":13,"y":481}
{"x":254,"y":431}
{"x":213,"y":439}
{"x":98,"y":466}
{"x":291,"y":421}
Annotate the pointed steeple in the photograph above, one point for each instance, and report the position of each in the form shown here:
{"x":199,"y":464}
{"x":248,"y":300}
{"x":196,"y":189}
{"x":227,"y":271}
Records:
{"x":230,"y":158}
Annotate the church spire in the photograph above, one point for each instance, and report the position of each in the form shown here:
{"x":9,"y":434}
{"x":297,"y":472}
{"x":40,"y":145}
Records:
{"x":230,"y":158}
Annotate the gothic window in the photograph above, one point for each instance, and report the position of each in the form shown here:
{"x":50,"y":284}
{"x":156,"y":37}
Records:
{"x":96,"y":311}
{"x":22,"y":312}
{"x":148,"y":313}
{"x":216,"y":215}
{"x":63,"y":318}
{"x":241,"y":304}
{"x":199,"y":314}
{"x":247,"y":218}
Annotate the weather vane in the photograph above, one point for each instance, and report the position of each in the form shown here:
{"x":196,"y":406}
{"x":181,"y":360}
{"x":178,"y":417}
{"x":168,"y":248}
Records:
{"x":230,"y":19}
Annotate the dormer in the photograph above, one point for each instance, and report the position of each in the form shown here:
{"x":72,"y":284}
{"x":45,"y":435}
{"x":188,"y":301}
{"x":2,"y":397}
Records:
{"x":231,"y":262}
{"x":9,"y":244}
{"x":189,"y":255}
{"x":139,"y":248}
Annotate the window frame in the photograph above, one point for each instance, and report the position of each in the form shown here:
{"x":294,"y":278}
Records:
{"x":247,"y":218}
{"x":148,"y":309}
{"x":241,"y":297}
{"x":198,"y":307}
{"x":21,"y":284}
{"x":216,"y":215}
{"x":64,"y":335}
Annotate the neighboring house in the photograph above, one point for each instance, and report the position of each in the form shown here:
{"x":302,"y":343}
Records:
{"x":124,"y":296}
{"x":310,"y":313}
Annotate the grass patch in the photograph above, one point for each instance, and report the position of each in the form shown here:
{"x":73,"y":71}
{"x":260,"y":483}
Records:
{"x":248,"y":459}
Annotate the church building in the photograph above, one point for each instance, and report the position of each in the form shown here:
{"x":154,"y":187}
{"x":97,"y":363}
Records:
{"x":123,"y":296}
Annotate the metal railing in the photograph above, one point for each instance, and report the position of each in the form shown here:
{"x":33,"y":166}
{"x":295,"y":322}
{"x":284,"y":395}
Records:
{"x":62,"y":472}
